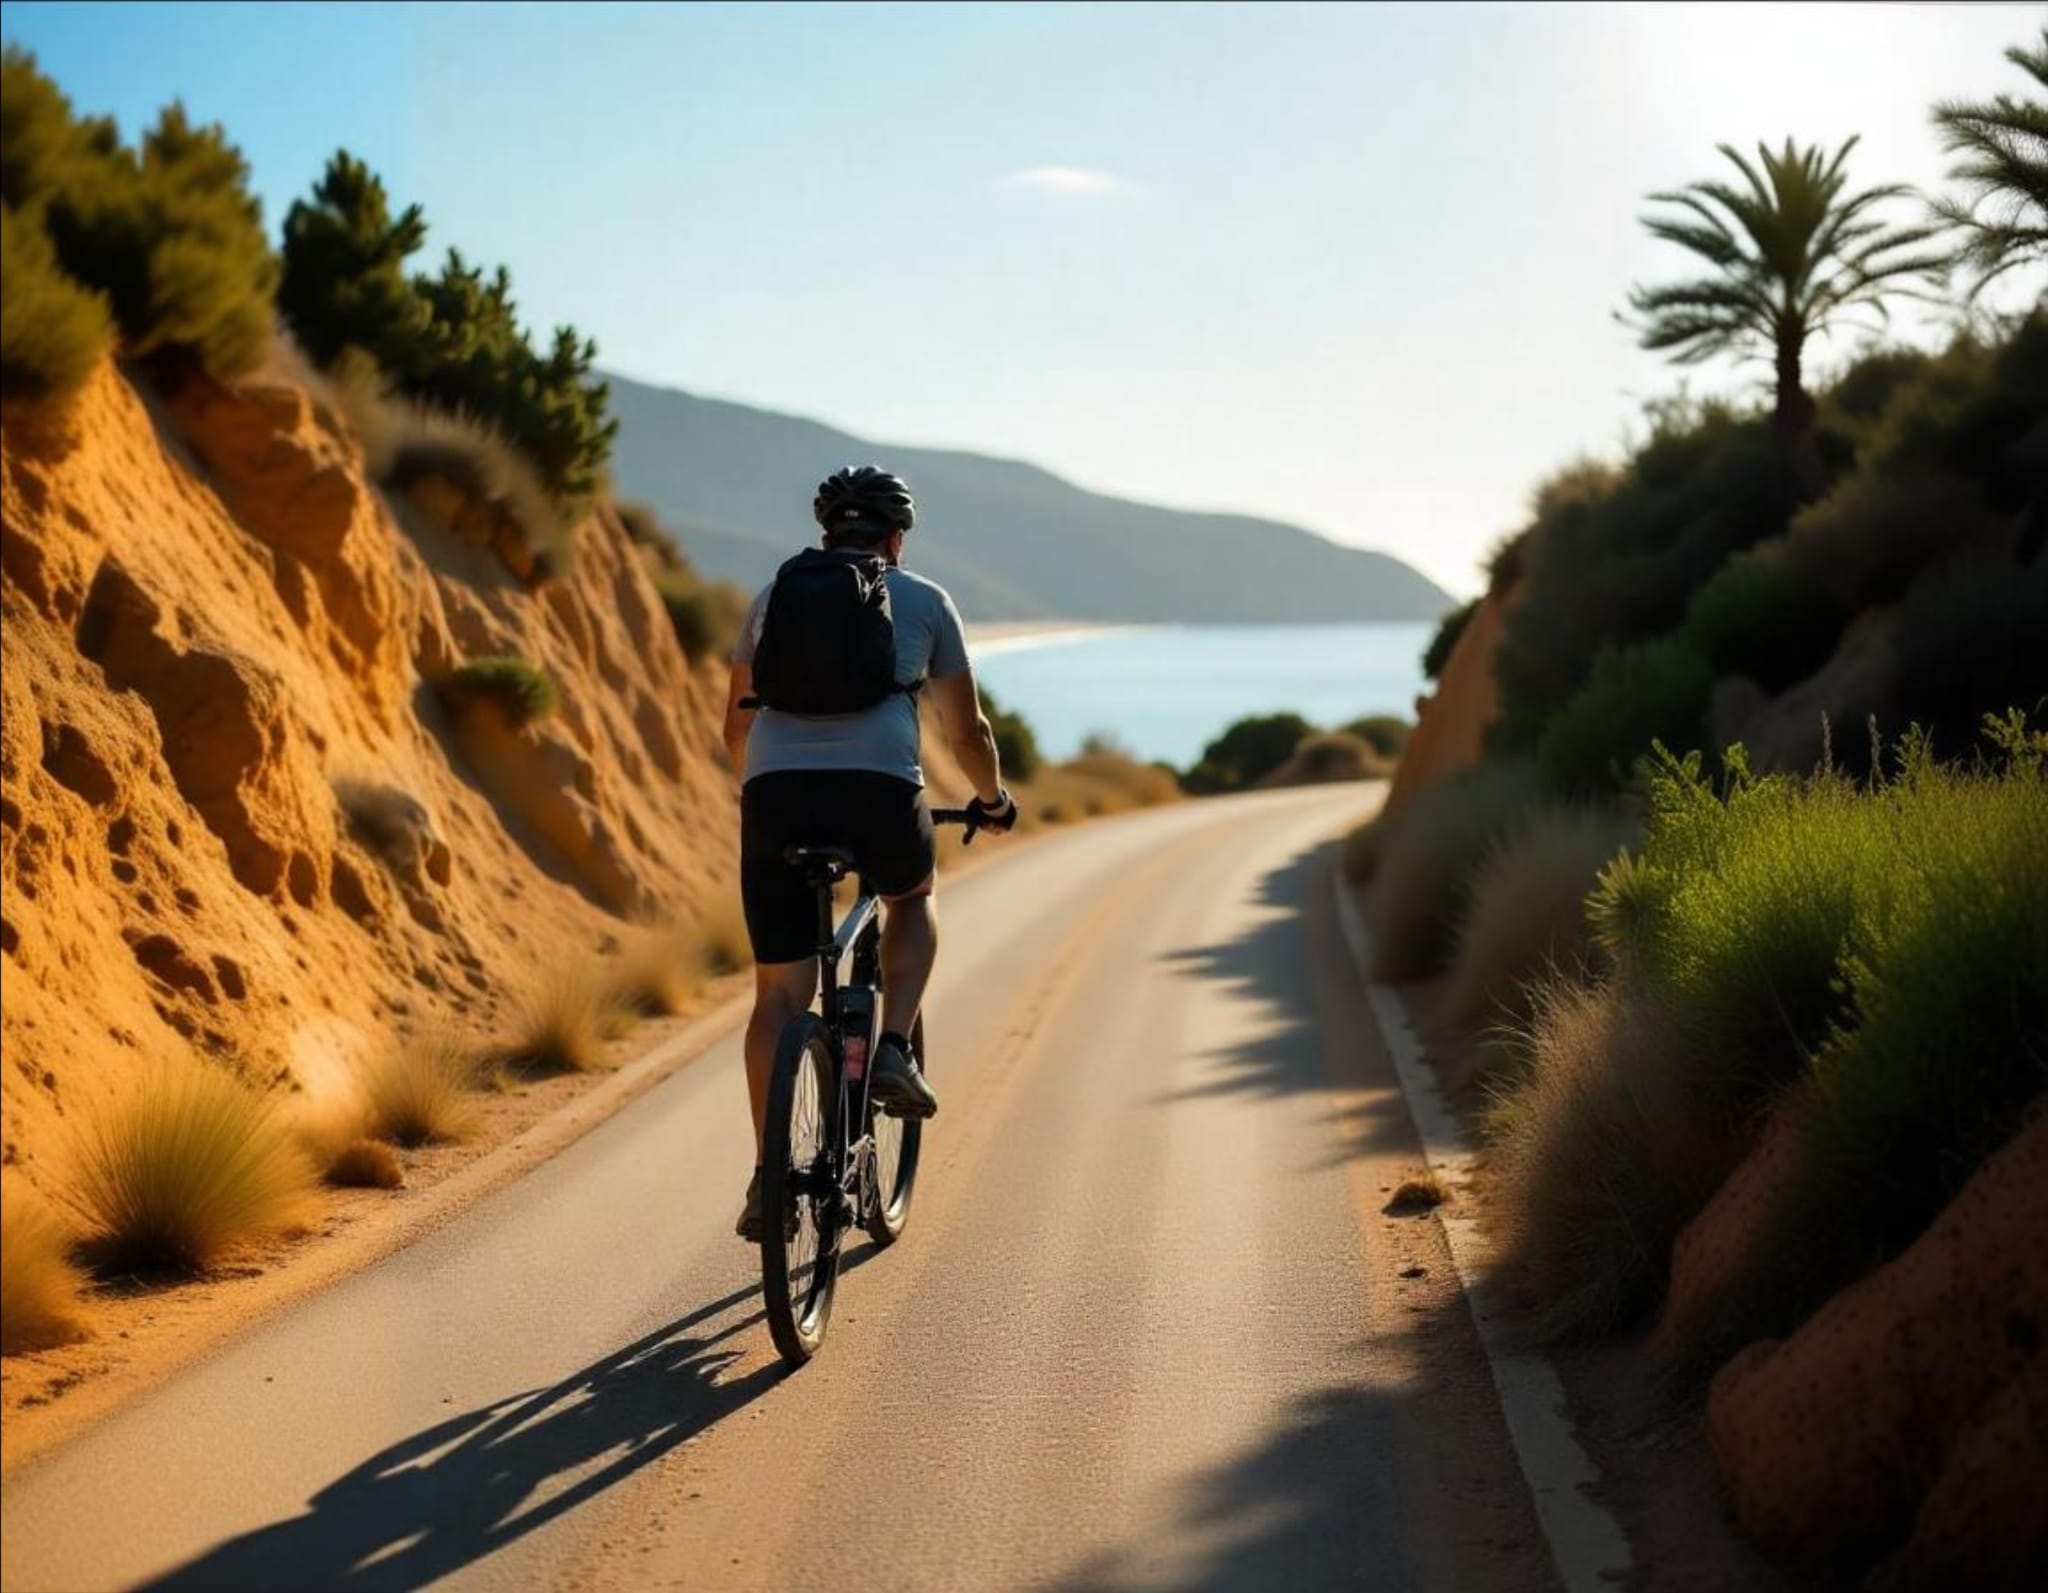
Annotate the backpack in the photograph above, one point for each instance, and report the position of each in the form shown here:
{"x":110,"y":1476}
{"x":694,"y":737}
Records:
{"x":828,"y":639}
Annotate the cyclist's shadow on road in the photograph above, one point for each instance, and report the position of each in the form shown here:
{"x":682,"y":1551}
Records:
{"x":464,"y":1488}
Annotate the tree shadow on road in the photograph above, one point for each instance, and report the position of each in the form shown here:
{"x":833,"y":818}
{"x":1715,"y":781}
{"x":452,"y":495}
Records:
{"x":461,"y":1489}
{"x":1285,"y":964}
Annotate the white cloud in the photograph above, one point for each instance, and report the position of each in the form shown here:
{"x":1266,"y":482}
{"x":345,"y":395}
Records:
{"x":1071,"y":181}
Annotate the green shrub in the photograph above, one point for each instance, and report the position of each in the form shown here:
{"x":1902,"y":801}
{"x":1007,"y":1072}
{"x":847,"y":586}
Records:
{"x":175,"y":240}
{"x":1866,"y":542}
{"x":1425,"y":858}
{"x":451,"y":340}
{"x":1936,"y":1046}
{"x":1444,"y":642}
{"x":1762,"y":616}
{"x":1252,"y":748}
{"x":1970,"y":641}
{"x":1016,"y":742}
{"x":168,"y":236}
{"x":1636,"y":696}
{"x":1613,"y":558}
{"x":1875,"y":958}
{"x":522,"y":691}
{"x":52,"y":331}
{"x":344,"y":284}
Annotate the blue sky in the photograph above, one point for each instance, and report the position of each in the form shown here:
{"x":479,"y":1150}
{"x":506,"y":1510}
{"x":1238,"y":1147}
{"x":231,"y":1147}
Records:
{"x":1351,"y":266}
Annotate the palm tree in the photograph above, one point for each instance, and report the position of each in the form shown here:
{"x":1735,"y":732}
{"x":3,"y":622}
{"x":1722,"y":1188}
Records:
{"x":2004,"y":145}
{"x":1792,"y":252}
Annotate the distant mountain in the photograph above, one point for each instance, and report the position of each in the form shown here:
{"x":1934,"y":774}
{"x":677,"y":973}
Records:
{"x":1009,"y":540}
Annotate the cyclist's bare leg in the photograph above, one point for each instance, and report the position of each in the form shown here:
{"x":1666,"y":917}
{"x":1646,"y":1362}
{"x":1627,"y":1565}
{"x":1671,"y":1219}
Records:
{"x":910,"y":945}
{"x":781,"y":991}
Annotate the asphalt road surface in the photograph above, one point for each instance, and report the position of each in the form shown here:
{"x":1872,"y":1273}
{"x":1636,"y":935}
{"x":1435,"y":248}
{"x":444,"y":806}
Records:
{"x":1149,"y":1327}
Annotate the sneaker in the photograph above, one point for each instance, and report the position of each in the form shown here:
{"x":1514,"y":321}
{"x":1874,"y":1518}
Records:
{"x":898,"y":1083}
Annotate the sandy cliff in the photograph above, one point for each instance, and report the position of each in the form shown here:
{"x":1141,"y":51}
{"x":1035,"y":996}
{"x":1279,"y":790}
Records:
{"x":236,"y":818}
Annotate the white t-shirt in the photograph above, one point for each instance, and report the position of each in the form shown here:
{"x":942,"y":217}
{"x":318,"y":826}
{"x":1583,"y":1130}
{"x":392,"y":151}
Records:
{"x":930,"y":643}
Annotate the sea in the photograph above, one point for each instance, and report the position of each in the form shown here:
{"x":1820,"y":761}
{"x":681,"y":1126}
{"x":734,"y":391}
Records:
{"x":1167,"y":691}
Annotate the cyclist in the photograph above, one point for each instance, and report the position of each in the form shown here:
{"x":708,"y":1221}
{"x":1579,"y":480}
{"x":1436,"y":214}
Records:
{"x":850,"y":778}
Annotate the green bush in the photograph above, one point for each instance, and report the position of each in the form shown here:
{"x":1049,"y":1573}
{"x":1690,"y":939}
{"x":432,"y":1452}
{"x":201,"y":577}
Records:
{"x":344,"y":283}
{"x":52,"y":331}
{"x":451,"y":340}
{"x":1971,"y":640}
{"x":1613,"y":559}
{"x":1441,"y":645}
{"x":522,"y":691}
{"x":1386,"y":734}
{"x":175,"y":240}
{"x":1247,"y":752}
{"x":169,"y":235}
{"x":1867,"y":541}
{"x":1424,"y":858}
{"x":1637,"y":696}
{"x":1762,"y":616}
{"x":1877,"y":959}
{"x":1016,"y":741}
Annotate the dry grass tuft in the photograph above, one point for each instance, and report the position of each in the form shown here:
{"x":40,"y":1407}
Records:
{"x":1603,"y":1152}
{"x":40,"y":1289}
{"x":1528,"y":913}
{"x":659,"y":973}
{"x":406,"y":444}
{"x":184,"y":1167}
{"x":418,"y":1092}
{"x":366,"y":1164}
{"x":1416,"y":1196}
{"x":1426,"y":860}
{"x":559,"y":1023}
{"x":720,"y":943}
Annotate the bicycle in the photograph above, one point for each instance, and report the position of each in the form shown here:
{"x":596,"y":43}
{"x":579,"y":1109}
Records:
{"x":830,"y":1161}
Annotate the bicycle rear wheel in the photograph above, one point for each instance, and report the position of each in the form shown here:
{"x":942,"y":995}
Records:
{"x":897,"y":1142}
{"x":800,"y":1202}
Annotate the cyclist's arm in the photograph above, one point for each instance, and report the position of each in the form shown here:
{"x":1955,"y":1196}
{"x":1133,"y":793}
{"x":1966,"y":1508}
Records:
{"x":969,"y":733}
{"x":738,"y":720}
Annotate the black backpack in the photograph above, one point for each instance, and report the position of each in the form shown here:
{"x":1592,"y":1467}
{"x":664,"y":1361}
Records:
{"x":828,"y":639}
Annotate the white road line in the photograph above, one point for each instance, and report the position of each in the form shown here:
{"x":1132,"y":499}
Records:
{"x":1586,"y":1543}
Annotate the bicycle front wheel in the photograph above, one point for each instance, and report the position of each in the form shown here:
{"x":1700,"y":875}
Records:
{"x":800,"y":1198}
{"x":897,"y":1142}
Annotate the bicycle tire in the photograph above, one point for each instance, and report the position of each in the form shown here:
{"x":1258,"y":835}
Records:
{"x":891,"y":1208}
{"x":800,"y":1269}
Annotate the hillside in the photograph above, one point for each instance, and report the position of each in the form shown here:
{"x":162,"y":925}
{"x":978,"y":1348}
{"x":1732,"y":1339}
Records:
{"x":243,"y":822}
{"x":1009,"y":540}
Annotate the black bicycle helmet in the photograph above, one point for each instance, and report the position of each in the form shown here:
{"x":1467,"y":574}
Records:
{"x":866,"y":497}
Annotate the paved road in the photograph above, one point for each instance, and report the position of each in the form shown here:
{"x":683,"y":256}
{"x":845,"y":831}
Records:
{"x":1149,"y":1328}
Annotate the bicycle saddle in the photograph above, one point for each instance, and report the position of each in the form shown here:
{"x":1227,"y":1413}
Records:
{"x":826,"y":862}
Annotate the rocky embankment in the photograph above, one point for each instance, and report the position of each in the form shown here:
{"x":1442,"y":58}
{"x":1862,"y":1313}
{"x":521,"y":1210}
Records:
{"x":240,"y":819}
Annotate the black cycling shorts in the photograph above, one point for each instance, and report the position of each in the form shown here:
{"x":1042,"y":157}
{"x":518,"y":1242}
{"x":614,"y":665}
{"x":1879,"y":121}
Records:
{"x":881,"y":820}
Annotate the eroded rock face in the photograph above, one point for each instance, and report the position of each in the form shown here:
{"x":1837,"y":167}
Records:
{"x":214,"y":630}
{"x":1907,"y":1416}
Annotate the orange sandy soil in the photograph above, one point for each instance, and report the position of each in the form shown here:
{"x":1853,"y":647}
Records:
{"x":214,"y":628}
